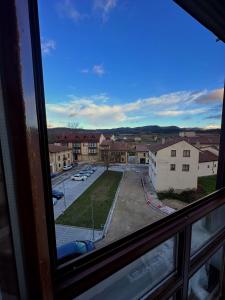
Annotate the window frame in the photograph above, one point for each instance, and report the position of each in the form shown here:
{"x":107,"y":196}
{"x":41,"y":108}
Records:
{"x":187,"y":151}
{"x":171,"y":168}
{"x":75,"y":276}
{"x":184,"y":169}
{"x":174,"y":152}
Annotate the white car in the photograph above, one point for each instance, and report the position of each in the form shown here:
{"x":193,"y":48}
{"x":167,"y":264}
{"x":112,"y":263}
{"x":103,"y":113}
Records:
{"x":66,"y":168}
{"x":79,"y":177}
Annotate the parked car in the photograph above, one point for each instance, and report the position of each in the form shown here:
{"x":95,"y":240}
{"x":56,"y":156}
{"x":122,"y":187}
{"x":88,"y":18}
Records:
{"x":54,"y":201}
{"x":57,"y":194}
{"x":88,"y":171}
{"x":79,"y":177}
{"x":68,"y":167}
{"x":74,"y":249}
{"x":85,"y":173}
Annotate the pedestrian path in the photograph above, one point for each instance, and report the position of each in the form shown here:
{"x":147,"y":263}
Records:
{"x":66,"y":234}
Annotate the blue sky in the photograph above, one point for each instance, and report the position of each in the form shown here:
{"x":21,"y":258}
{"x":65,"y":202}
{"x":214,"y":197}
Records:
{"x":114,"y":63}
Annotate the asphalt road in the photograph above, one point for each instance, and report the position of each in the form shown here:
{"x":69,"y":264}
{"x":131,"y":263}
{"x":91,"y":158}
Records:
{"x":72,"y":189}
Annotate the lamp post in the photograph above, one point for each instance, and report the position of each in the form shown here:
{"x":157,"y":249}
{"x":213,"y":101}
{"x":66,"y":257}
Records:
{"x":92,"y":217}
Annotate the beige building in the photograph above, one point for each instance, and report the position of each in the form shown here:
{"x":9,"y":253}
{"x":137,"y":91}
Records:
{"x":122,"y":152}
{"x":59,"y":157}
{"x":85,"y":146}
{"x":173,"y":165}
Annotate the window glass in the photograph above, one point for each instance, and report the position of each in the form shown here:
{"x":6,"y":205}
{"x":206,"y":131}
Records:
{"x":139,"y":277}
{"x":206,"y":228}
{"x":130,"y":98}
{"x":172,"y":167}
{"x":173,"y":153}
{"x":205,"y":283}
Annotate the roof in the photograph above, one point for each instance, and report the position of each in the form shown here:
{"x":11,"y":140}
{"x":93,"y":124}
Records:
{"x":80,"y":138}
{"x":160,"y":146}
{"x":55,"y":148}
{"x":119,"y":146}
{"x":142,"y":148}
{"x":206,"y":156}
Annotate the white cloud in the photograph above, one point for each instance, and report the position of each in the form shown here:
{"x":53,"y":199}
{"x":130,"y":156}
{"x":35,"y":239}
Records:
{"x":174,"y":113}
{"x":98,"y":70}
{"x":212,"y":126}
{"x":67,"y":9}
{"x":99,"y":110}
{"x":47,"y":45}
{"x":105,"y":7}
{"x":210,"y":97}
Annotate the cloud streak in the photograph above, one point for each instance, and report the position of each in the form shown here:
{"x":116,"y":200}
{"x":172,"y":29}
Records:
{"x":105,"y":7}
{"x":47,"y":46}
{"x":67,"y":9}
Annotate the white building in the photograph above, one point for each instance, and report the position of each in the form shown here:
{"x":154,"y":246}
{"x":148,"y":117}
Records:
{"x":173,"y":165}
{"x":187,"y":134}
{"x":208,"y":163}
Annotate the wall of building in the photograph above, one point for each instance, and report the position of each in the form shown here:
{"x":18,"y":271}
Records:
{"x":164,"y":179}
{"x":142,"y":155}
{"x":59,"y":160}
{"x":207,"y":168}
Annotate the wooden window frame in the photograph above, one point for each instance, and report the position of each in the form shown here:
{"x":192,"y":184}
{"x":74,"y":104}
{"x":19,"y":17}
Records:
{"x":26,"y":122}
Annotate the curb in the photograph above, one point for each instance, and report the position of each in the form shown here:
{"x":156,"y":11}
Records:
{"x":110,"y":214}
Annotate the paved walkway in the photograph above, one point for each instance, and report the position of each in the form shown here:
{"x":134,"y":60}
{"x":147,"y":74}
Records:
{"x":131,"y":211}
{"x":72,"y":190}
{"x":66,"y":234}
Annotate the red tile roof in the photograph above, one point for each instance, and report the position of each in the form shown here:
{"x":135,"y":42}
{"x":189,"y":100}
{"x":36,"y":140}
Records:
{"x":55,"y":148}
{"x":206,"y":156}
{"x":80,"y":138}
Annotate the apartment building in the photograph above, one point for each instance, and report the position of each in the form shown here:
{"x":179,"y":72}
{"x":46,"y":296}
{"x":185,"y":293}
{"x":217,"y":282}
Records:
{"x":173,"y":165}
{"x":59,"y":156}
{"x":85,"y":146}
{"x":114,"y":152}
{"x":122,"y":152}
{"x":208,"y":163}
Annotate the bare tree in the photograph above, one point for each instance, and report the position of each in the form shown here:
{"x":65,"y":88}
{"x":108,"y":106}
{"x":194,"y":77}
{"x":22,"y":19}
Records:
{"x":73,"y":125}
{"x":106,"y":157}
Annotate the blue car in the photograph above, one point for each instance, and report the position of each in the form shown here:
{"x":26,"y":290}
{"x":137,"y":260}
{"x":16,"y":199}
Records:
{"x":57,"y":194}
{"x":74,"y":249}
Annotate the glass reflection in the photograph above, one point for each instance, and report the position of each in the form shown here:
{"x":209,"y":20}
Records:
{"x":204,"y":284}
{"x":204,"y":229}
{"x":139,"y":277}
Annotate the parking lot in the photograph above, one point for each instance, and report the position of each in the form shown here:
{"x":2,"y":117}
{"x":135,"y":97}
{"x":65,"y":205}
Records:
{"x":72,"y":189}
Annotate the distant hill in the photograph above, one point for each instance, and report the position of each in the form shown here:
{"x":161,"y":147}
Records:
{"x":150,"y":129}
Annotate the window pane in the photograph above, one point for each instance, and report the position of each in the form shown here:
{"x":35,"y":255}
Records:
{"x":139,"y":277}
{"x":205,"y":283}
{"x":110,"y":109}
{"x":204,"y":229}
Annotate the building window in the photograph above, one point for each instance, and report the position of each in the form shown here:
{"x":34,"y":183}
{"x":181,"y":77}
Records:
{"x":68,"y":155}
{"x":208,"y":166}
{"x":144,"y":154}
{"x":173,"y":153}
{"x":59,"y":158}
{"x":59,"y":165}
{"x":186,"y":153}
{"x":172,"y":167}
{"x":185,"y":168}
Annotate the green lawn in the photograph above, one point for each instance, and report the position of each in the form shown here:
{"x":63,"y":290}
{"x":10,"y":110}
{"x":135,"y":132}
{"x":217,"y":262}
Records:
{"x":98,"y":196}
{"x":207,"y":184}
